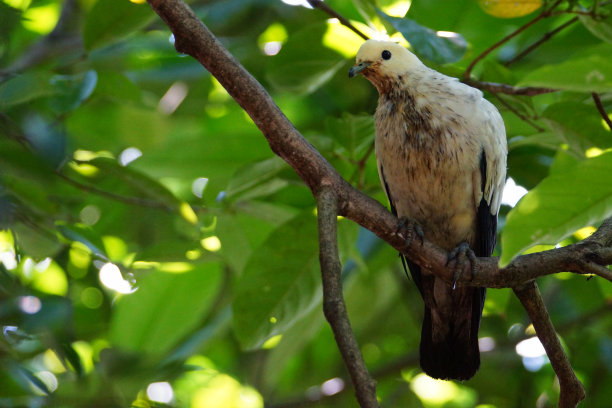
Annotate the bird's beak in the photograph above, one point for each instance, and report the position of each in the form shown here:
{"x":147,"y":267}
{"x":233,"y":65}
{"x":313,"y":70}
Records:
{"x":358,"y":68}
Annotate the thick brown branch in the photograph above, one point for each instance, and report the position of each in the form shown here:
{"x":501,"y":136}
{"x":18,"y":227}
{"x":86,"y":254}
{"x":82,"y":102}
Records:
{"x":333,"y":300}
{"x":192,"y":37}
{"x":572,"y":391}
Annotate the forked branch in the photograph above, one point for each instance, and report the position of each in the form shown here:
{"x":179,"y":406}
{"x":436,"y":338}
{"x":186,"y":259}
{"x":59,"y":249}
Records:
{"x":192,"y":37}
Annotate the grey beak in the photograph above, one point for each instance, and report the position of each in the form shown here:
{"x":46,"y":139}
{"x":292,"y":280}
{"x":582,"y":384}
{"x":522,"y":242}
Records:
{"x":358,"y":68}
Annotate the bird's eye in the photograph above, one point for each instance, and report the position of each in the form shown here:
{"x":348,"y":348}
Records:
{"x":386,"y":54}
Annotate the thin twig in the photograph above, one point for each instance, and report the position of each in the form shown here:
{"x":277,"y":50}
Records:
{"x":602,"y":110}
{"x":541,"y":41}
{"x":319,"y":4}
{"x":545,"y":13}
{"x":141,"y":202}
{"x":495,"y":87}
{"x":333,"y":300}
{"x":572,"y":391}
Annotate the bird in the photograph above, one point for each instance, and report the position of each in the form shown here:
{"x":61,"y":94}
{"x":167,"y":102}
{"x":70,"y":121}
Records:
{"x":441,"y":153}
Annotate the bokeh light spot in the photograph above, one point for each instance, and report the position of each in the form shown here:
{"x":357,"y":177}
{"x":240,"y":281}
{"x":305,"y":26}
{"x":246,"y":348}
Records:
{"x":212,"y":244}
{"x":92,"y":297}
{"x":160,"y":392}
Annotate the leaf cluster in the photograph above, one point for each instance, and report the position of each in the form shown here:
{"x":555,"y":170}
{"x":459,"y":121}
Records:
{"x":121,"y":158}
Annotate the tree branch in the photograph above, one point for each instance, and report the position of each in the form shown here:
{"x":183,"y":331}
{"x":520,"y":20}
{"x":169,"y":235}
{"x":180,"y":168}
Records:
{"x":541,"y":41}
{"x":319,"y":4}
{"x":543,"y":14}
{"x":601,"y":109}
{"x":495,"y":87}
{"x":333,"y":301}
{"x":572,"y":391}
{"x":193,"y":38}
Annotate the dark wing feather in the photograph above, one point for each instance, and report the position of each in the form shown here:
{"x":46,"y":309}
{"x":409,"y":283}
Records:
{"x":416,"y":276}
{"x":486,"y":221}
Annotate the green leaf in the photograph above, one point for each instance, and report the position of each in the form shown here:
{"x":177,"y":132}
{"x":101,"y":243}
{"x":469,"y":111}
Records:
{"x":549,"y":140}
{"x":254,"y":175}
{"x":25,"y":88}
{"x":137,"y":180}
{"x":579,"y":125}
{"x":303,"y":64}
{"x":427,"y":43}
{"x":561,"y":204}
{"x":80,"y":236}
{"x":353,"y":132}
{"x":118,"y":87}
{"x":165,"y":308}
{"x":110,"y":20}
{"x":280,"y":283}
{"x":72,"y":90}
{"x":586,"y":73}
{"x":600,"y":27}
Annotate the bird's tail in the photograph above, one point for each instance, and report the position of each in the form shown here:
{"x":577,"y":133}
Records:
{"x":449,"y":343}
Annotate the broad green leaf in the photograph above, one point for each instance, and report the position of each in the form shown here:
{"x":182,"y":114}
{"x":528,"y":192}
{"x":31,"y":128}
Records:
{"x":561,"y":204}
{"x":137,"y":180}
{"x":117,"y":87}
{"x":367,"y":9}
{"x":254,"y":175}
{"x":303,"y":64}
{"x":579,"y":125}
{"x":68,"y":91}
{"x":600,"y":27}
{"x":280,"y":283}
{"x":25,"y":88}
{"x":110,"y":20}
{"x":46,"y":138}
{"x":165,"y":308}
{"x":549,"y":140}
{"x":72,"y":90}
{"x":355,"y":133}
{"x":427,"y":43}
{"x":586,"y":73}
{"x":85,"y":236}
{"x":36,"y":243}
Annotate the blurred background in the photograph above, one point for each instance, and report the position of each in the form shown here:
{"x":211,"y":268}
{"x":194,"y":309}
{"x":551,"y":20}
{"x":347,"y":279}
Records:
{"x":155,"y":253}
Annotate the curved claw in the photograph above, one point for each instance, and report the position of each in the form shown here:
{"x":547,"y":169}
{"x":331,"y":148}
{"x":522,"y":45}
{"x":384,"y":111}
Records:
{"x":460,"y":254}
{"x":407,"y":225}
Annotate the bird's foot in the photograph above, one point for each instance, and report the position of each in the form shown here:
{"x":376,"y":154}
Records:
{"x":408,"y":228}
{"x":460,"y":255}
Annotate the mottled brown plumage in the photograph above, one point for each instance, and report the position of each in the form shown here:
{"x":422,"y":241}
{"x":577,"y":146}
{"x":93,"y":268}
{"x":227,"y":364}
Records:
{"x":441,"y":154}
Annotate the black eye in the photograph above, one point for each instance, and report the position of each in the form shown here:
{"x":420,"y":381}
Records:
{"x":386,"y":54}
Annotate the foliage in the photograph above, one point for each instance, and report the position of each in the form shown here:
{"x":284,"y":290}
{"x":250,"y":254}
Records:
{"x":125,"y":167}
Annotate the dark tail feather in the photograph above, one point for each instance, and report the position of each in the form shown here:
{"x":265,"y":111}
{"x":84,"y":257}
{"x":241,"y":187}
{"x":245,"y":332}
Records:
{"x":449,"y":343}
{"x":454,"y":354}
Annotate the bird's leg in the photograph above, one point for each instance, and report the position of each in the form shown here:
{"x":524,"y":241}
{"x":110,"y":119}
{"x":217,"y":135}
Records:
{"x":404,"y":228}
{"x":460,"y":254}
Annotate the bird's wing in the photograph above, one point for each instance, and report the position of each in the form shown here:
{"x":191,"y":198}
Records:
{"x":495,"y":149}
{"x":489,"y":178}
{"x":406,"y":264}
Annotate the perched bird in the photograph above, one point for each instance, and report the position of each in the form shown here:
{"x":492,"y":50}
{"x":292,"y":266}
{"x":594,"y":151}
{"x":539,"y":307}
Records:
{"x":441,"y":154}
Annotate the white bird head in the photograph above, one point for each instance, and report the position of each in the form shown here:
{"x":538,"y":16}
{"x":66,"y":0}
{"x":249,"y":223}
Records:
{"x":384,"y":62}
